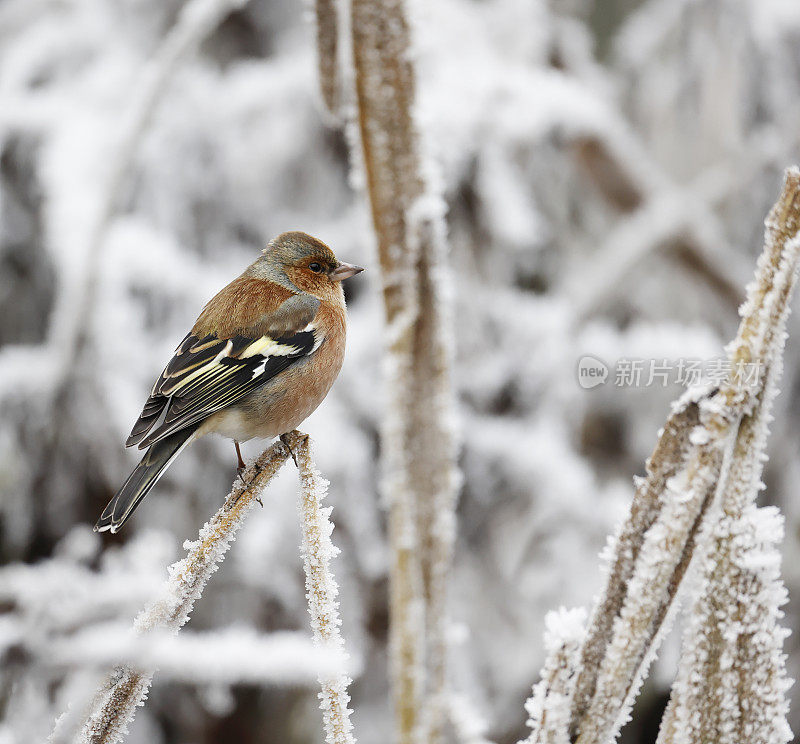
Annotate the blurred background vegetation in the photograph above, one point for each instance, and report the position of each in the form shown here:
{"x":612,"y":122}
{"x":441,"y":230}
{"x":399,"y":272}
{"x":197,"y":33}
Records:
{"x":606,"y":168}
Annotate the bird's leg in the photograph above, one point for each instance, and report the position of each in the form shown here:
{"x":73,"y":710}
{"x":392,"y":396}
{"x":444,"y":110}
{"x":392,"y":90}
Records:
{"x":285,"y":439}
{"x":240,"y":469}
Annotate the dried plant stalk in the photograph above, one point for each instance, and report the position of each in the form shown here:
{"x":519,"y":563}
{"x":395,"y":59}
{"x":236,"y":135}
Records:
{"x":653,"y":552}
{"x":707,"y":449}
{"x":696,"y":456}
{"x":433,"y":457}
{"x":419,"y":446}
{"x":327,"y":17}
{"x":731,"y":684}
{"x":549,"y":706}
{"x":662,"y":465}
{"x":321,"y":588}
{"x":114,"y":706}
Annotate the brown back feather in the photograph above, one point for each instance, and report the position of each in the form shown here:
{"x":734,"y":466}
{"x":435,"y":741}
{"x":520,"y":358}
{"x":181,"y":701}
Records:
{"x":240,"y":308}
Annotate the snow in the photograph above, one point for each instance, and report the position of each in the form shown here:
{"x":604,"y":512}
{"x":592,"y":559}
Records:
{"x":549,"y":707}
{"x":234,"y":655}
{"x":586,"y":161}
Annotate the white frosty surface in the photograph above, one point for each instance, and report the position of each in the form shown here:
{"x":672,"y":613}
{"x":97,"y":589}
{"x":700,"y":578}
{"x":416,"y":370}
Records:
{"x":236,"y":152}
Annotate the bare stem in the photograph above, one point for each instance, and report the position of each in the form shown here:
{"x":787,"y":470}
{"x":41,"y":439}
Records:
{"x":327,"y":16}
{"x":419,"y":443}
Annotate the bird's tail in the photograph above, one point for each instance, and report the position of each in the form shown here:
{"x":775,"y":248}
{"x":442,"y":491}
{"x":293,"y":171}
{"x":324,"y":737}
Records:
{"x":144,"y":476}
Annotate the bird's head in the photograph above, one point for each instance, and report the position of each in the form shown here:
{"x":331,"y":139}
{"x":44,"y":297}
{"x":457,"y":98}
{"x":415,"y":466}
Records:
{"x":307,"y":263}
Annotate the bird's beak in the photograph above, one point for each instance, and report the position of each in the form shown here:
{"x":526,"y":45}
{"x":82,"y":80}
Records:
{"x":344,"y":271}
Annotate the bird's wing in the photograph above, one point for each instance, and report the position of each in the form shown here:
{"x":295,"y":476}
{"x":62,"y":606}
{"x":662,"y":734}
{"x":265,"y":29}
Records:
{"x":208,"y":374}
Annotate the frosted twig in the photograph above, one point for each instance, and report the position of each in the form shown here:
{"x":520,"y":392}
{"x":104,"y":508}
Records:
{"x":126,"y":688}
{"x":189,"y":576}
{"x":691,"y":462}
{"x":433,"y":450}
{"x":419,"y":444}
{"x":321,"y":588}
{"x":549,"y":706}
{"x":731,"y":684}
{"x":235,"y":655}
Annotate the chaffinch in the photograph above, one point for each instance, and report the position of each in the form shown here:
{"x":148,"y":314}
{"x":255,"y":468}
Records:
{"x":259,"y":360}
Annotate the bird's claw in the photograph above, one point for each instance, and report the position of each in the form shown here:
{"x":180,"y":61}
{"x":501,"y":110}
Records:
{"x":285,"y":439}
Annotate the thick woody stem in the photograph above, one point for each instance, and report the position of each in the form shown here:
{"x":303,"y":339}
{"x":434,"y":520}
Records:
{"x":419,"y":447}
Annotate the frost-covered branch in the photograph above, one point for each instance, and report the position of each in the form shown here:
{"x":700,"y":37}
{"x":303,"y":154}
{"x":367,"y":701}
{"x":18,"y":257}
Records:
{"x":189,"y":576}
{"x":126,"y":688}
{"x":419,"y":444}
{"x":692,"y":461}
{"x":322,"y":589}
{"x":549,"y":706}
{"x":688,"y":466}
{"x":650,"y":558}
{"x":703,"y":448}
{"x":235,"y":655}
{"x":732,"y":683}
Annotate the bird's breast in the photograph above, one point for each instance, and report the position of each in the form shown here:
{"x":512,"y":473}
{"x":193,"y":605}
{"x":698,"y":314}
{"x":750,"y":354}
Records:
{"x":283,"y":403}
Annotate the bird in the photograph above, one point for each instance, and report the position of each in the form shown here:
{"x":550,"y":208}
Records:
{"x":261,"y":357}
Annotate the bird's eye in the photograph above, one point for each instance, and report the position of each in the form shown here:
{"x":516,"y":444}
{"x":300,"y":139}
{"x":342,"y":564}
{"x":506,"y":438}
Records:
{"x":315,"y":267}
